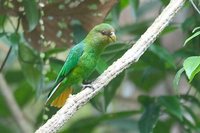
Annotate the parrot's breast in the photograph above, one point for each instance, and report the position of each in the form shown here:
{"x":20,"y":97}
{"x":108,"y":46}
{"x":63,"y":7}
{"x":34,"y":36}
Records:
{"x":87,"y":64}
{"x":84,"y":68}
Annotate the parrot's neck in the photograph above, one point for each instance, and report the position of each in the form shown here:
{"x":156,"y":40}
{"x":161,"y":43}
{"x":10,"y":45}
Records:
{"x":94,"y":47}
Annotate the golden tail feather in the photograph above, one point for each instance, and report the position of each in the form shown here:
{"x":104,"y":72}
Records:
{"x":60,"y":101}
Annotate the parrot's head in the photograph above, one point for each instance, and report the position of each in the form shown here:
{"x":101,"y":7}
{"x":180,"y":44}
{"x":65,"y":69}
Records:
{"x":102,"y":34}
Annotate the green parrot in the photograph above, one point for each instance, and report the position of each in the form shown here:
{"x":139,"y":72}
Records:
{"x":80,"y":63}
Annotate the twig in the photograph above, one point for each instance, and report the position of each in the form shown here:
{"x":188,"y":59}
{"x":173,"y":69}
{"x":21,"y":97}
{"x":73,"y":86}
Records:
{"x":132,"y":55}
{"x":14,"y":108}
{"x":6,"y":58}
{"x":189,"y":89}
{"x":18,"y":24}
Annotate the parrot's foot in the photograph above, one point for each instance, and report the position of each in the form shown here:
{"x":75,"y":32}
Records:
{"x":85,"y":82}
{"x":87,"y":86}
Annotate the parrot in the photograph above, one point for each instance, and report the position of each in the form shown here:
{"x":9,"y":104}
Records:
{"x":80,"y":63}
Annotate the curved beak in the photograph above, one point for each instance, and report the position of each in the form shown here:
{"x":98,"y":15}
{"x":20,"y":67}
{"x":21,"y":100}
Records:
{"x":112,"y":36}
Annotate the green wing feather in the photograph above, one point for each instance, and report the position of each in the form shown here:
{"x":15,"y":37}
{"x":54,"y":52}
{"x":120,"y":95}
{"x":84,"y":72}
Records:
{"x":71,"y":61}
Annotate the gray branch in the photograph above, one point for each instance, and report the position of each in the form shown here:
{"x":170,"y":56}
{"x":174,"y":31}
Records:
{"x":132,"y":55}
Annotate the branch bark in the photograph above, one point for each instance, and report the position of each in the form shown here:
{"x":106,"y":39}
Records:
{"x":132,"y":55}
{"x":14,"y":108}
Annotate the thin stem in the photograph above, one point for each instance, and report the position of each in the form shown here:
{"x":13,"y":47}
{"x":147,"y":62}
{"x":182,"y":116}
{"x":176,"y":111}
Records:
{"x":18,"y":24}
{"x":6,"y":58}
{"x":195,"y":7}
{"x":188,"y":91}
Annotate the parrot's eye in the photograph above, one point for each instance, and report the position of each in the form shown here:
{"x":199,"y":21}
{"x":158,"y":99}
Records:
{"x":105,"y":33}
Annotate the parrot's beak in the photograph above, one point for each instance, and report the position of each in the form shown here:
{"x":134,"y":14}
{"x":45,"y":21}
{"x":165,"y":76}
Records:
{"x":112,"y":36}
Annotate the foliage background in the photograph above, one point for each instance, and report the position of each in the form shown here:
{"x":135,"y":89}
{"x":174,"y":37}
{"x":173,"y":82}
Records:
{"x":159,"y":93}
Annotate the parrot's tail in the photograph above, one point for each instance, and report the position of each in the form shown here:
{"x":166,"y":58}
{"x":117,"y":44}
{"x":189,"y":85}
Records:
{"x":60,"y":101}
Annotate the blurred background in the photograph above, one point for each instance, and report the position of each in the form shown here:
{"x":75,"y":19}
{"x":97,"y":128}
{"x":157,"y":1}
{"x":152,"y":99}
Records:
{"x":159,"y":93}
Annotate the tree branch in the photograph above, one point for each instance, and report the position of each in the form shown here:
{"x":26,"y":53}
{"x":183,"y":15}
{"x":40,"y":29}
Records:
{"x":132,"y":55}
{"x":14,"y":108}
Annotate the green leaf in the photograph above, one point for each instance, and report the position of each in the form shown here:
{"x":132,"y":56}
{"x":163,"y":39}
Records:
{"x":165,"y":124}
{"x":102,"y":100}
{"x":192,"y":66}
{"x":32,"y":66}
{"x":195,"y":29}
{"x":189,"y":23}
{"x":6,"y":128}
{"x":192,"y":37}
{"x":52,"y":51}
{"x":2,"y":34}
{"x":184,"y":52}
{"x":172,"y":105}
{"x":32,"y":13}
{"x":150,"y":65}
{"x":163,"y":54}
{"x":165,"y":2}
{"x":111,"y":89}
{"x":23,"y":93}
{"x":168,"y":29}
{"x":177,"y":79}
{"x":145,"y":100}
{"x":195,"y":6}
{"x":14,"y":76}
{"x":193,"y":100}
{"x":78,"y":31}
{"x":149,"y":118}
{"x":191,"y":117}
{"x":190,"y":120}
{"x":124,"y":3}
{"x":109,"y":55}
{"x":98,"y":102}
{"x":86,"y":125}
{"x":135,"y":29}
{"x":116,"y":47}
{"x":195,"y":82}
{"x":140,"y":76}
{"x":56,"y":64}
{"x":4,"y":110}
{"x":14,"y":38}
{"x":2,"y":21}
{"x":27,"y":54}
{"x":101,"y":66}
{"x":135,"y":4}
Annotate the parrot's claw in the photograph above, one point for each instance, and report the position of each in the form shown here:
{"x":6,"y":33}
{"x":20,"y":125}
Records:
{"x":85,"y":82}
{"x":87,"y":86}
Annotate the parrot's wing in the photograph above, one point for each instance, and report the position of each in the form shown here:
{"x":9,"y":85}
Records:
{"x":71,"y":61}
